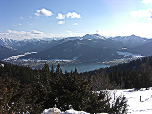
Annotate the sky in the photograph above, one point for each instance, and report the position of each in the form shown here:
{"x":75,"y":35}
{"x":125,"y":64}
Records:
{"x":26,"y":19}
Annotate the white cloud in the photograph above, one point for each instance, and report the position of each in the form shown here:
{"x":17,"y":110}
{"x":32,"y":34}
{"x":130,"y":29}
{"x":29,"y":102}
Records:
{"x":60,"y":16}
{"x":147,"y":1}
{"x":17,"y":32}
{"x":37,"y":32}
{"x":73,"y":15}
{"x":21,"y":17}
{"x":61,"y":22}
{"x":142,"y":13}
{"x":75,"y":23}
{"x":43,"y":12}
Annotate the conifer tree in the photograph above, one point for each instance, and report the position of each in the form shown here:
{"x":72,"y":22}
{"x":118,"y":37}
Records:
{"x":58,"y":69}
{"x":45,"y":76}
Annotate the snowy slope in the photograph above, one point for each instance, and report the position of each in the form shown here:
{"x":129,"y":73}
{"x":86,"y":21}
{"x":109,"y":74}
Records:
{"x":135,"y":106}
{"x":139,"y":102}
{"x":6,"y":42}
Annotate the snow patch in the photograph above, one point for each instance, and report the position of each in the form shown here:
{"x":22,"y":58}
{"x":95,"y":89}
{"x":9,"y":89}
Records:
{"x":76,"y":57}
{"x":18,"y":56}
{"x":2,"y":65}
{"x":93,"y":36}
{"x":71,"y":111}
{"x":123,"y":48}
{"x":52,"y":111}
{"x":127,"y":54}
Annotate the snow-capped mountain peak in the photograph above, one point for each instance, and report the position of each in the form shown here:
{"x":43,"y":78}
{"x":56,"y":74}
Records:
{"x":6,"y":41}
{"x":132,"y":40}
{"x":93,"y":36}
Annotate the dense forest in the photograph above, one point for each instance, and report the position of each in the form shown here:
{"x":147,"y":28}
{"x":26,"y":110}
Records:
{"x":23,"y":89}
{"x":135,"y":74}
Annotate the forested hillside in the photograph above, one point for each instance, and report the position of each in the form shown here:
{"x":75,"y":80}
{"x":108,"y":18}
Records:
{"x":24,"y":89}
{"x":135,"y":74}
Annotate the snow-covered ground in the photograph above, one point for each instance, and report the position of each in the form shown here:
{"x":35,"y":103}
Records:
{"x":135,"y":106}
{"x":139,"y":102}
{"x":70,"y":111}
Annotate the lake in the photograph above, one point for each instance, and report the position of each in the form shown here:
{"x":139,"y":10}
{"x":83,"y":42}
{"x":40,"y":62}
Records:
{"x":83,"y":67}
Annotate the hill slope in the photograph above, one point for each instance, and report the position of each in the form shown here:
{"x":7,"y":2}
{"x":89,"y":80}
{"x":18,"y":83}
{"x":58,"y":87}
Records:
{"x":6,"y":52}
{"x":83,"y":50}
{"x":145,"y":49}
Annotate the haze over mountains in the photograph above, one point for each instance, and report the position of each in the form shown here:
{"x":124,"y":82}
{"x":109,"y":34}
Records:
{"x":91,"y":47}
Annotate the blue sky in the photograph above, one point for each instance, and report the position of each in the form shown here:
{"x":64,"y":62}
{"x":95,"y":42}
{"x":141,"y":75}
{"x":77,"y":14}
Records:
{"x":21,"y":19}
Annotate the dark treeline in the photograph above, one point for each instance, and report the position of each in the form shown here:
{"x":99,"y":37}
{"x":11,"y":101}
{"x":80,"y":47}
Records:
{"x":24,"y":89}
{"x":135,"y":74}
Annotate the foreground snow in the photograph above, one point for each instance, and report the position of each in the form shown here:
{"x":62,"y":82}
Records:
{"x":57,"y":111}
{"x":139,"y":102}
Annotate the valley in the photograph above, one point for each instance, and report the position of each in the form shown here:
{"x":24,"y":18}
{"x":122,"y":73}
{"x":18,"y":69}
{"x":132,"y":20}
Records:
{"x":69,"y":65}
{"x":90,"y":49}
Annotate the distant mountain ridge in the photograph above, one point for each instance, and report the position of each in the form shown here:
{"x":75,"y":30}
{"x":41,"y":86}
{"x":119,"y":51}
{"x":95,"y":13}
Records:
{"x":82,"y":50}
{"x":93,"y":36}
{"x":132,"y":41}
{"x":90,"y":47}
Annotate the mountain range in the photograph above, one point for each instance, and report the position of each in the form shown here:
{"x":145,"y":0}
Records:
{"x":91,"y":47}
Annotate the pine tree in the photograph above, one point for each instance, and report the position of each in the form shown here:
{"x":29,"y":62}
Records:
{"x":45,"y":75}
{"x":58,"y":69}
{"x":52,"y":70}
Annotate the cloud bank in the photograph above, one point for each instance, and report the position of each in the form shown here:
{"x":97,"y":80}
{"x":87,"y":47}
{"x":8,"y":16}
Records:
{"x":20,"y":35}
{"x":147,"y":1}
{"x":142,"y":13}
{"x":139,"y":29}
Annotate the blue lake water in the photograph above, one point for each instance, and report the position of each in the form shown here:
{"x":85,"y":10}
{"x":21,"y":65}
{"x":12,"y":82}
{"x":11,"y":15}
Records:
{"x":83,"y":67}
